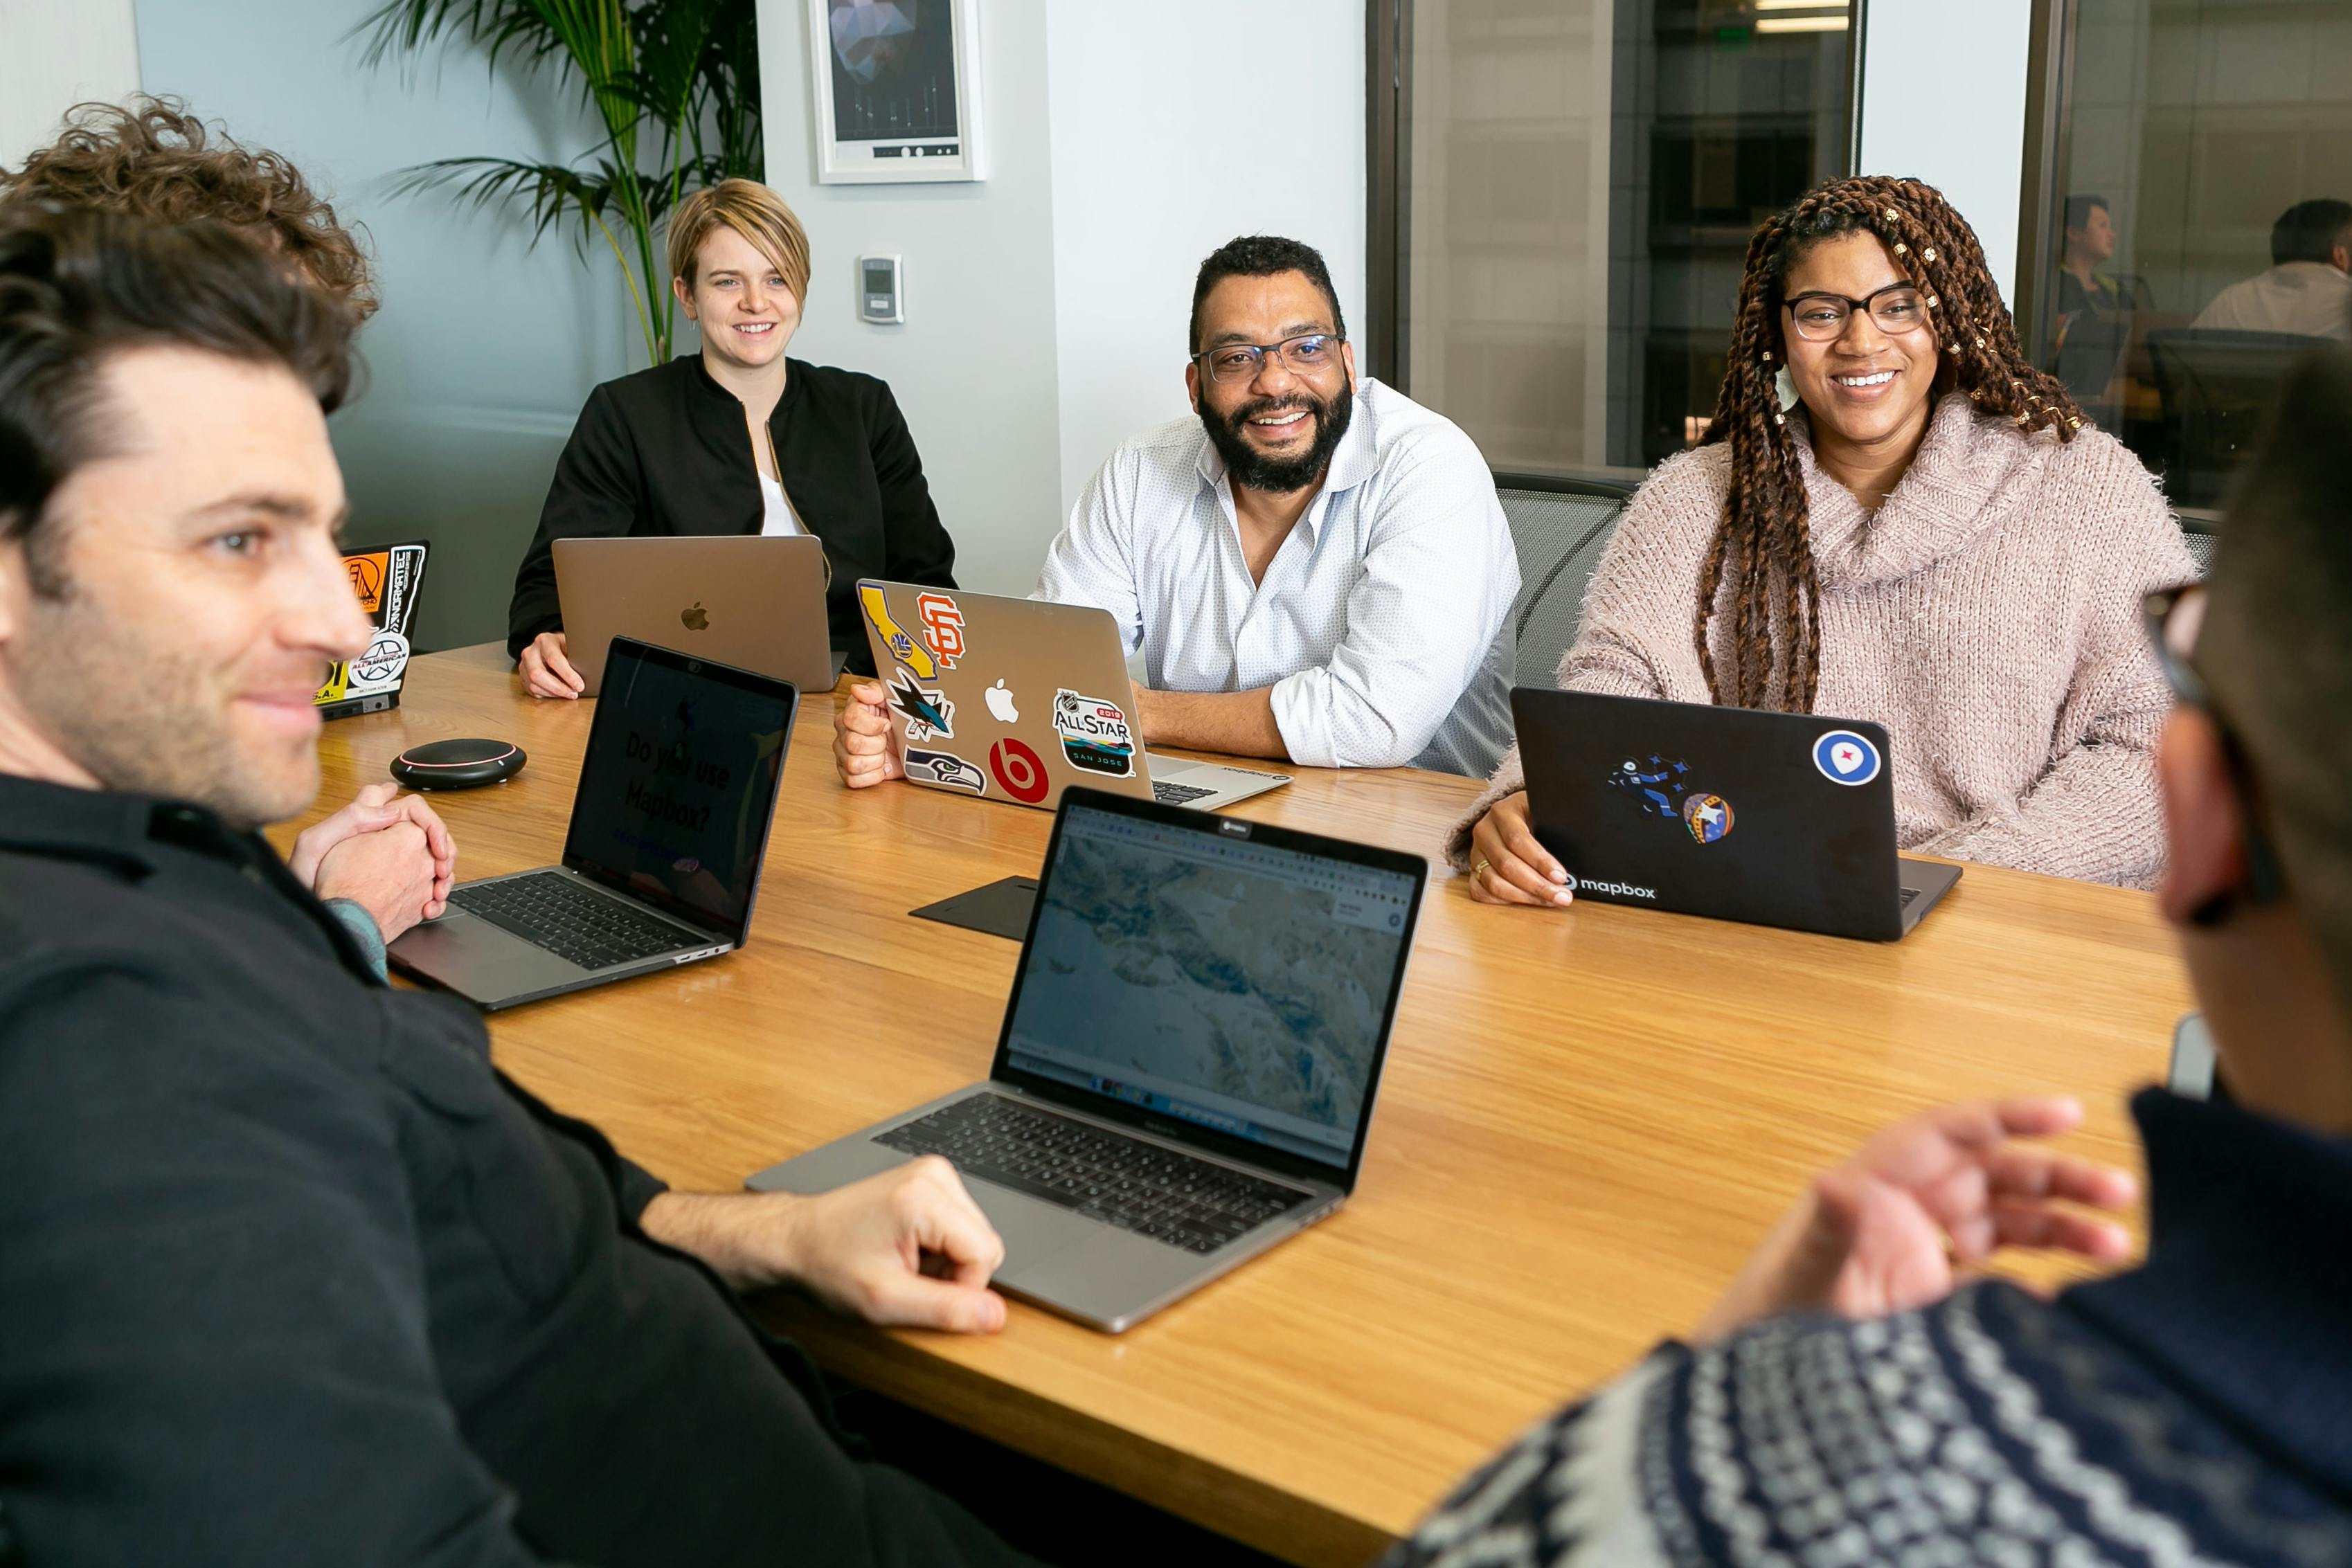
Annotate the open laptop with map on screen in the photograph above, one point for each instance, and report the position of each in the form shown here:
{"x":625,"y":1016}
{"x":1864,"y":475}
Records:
{"x":1187,"y":1066}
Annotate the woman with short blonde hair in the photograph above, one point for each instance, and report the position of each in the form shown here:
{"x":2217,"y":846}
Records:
{"x":737,"y":439}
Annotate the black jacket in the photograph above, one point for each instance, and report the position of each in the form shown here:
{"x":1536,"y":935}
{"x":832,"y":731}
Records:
{"x":288,"y":1274}
{"x":667,"y":451}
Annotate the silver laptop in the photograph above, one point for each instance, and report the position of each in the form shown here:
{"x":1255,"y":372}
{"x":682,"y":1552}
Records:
{"x":1188,"y":1061}
{"x":661,"y":864}
{"x":1016,"y":699}
{"x":753,"y":600}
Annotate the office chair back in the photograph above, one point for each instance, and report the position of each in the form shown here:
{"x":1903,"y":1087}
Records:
{"x":1559,"y":526}
{"x":2215,"y":387}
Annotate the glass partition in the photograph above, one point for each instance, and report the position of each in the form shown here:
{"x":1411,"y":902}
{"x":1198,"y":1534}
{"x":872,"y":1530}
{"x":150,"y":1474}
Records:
{"x":1578,"y":182}
{"x":2196,"y":235}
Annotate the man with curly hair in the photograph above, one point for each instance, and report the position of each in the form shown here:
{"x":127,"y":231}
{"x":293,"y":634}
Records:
{"x":153,"y":160}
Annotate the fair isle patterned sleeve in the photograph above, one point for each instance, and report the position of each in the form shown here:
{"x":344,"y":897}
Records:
{"x":1993,"y":1428}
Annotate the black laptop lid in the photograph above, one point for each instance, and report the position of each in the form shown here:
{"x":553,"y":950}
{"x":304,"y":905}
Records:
{"x":1222,"y":982}
{"x":678,"y":785}
{"x":1771,"y":818}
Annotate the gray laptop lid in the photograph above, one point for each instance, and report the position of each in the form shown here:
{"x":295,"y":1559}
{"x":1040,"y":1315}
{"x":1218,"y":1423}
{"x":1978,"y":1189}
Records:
{"x":1008,"y":699}
{"x":753,"y":600}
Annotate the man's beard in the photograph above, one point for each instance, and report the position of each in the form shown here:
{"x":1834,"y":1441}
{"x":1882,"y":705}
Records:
{"x":1279,"y":476}
{"x":129,"y":704}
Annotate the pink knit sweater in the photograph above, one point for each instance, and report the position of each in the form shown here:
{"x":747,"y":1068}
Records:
{"x":1988,"y":615}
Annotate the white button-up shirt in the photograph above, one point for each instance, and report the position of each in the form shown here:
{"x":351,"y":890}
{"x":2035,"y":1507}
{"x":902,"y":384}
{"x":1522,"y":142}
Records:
{"x":1384,"y":622}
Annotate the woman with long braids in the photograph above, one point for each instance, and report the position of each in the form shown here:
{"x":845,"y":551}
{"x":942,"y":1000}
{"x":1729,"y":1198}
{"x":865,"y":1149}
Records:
{"x":1896,"y":517}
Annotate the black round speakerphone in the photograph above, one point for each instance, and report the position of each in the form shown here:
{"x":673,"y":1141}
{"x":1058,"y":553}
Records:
{"x":457,"y":764}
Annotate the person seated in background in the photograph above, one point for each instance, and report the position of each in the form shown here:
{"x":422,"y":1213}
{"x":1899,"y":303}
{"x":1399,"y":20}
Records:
{"x":2093,"y":320}
{"x":736,"y":439}
{"x":293,"y":1272}
{"x":1845,"y":1403}
{"x":1313,"y":566}
{"x":155,"y":161}
{"x":2308,"y":289}
{"x":1895,"y":518}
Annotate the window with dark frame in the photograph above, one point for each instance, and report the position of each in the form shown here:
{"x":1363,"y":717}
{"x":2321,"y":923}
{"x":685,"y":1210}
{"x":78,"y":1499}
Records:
{"x":1562,"y":196}
{"x":2181,"y":148}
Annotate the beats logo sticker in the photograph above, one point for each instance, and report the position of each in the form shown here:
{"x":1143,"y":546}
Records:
{"x":1018,"y":771}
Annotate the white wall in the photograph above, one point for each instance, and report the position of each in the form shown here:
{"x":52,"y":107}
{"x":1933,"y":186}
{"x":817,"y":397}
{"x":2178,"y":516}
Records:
{"x":1155,"y":166}
{"x":1047,"y":305}
{"x":54,"y":54}
{"x":1943,"y":99}
{"x":972,"y":366}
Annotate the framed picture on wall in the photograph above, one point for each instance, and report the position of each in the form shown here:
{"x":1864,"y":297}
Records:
{"x":896,"y":89}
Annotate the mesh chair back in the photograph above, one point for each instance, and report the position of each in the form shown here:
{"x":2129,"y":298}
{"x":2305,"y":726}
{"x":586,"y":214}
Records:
{"x":2200,"y":549}
{"x":1559,"y":534}
{"x":2216,"y":387}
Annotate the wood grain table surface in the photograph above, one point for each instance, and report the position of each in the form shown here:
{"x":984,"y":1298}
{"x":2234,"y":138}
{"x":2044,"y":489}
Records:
{"x":1588,"y":1117}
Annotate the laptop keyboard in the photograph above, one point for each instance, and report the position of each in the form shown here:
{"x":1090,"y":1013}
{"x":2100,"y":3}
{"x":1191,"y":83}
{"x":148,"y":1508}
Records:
{"x":591,"y":929}
{"x":1177,"y":794}
{"x":1909,"y":895}
{"x":1192,"y":1204}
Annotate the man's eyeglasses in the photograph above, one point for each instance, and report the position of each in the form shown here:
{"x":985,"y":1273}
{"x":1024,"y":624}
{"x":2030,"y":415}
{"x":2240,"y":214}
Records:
{"x":1309,"y":354}
{"x":2173,"y":617}
{"x":1895,"y":308}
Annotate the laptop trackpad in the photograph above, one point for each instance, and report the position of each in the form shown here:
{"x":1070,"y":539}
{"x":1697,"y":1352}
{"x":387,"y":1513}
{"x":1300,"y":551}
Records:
{"x":1033,"y":1230}
{"x":479,"y":960}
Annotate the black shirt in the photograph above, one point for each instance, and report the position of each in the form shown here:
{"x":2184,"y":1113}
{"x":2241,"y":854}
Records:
{"x":289,"y":1274}
{"x":667,"y":452}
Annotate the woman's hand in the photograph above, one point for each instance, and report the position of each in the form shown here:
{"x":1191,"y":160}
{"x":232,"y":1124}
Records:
{"x":1507,"y":866}
{"x":546,"y":671}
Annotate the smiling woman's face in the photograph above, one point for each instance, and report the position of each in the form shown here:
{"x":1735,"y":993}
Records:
{"x":1867,"y":386}
{"x":741,"y":301}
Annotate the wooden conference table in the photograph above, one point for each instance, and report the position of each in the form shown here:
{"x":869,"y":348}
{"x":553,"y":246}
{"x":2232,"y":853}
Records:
{"x":1587,"y":1118}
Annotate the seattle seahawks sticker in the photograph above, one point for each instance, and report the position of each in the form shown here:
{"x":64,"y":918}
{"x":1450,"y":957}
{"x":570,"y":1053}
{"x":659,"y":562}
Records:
{"x":1846,"y":757}
{"x":945,"y":767}
{"x":1095,"y":736}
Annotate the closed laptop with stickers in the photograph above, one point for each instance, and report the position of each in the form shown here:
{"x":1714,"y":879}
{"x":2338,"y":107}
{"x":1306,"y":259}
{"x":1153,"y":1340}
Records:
{"x":1773,"y":818}
{"x":1017,"y":699}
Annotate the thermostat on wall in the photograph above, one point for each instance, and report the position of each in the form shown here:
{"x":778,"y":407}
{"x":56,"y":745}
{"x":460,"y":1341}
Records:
{"x":880,"y":295}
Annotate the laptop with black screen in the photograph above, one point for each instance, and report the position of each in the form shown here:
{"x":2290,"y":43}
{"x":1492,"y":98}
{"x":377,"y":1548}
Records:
{"x":662,"y":862}
{"x":1778,"y":819}
{"x":1187,"y":1066}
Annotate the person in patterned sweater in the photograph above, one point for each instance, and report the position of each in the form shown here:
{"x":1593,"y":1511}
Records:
{"x":1850,"y":1402}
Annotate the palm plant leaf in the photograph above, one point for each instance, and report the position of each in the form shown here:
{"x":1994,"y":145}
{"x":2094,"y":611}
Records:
{"x":684,"y":70}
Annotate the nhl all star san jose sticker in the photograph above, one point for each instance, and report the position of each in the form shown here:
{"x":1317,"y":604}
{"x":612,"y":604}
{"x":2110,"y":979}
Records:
{"x":1846,"y":757}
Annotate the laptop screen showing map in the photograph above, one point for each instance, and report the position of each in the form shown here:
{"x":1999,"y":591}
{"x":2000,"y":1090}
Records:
{"x":1232,"y":985}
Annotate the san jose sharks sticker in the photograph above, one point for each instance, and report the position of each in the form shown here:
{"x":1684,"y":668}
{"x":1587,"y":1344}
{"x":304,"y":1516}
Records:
{"x":1846,"y":757}
{"x":903,"y":648}
{"x":1095,"y":735}
{"x":945,"y":767}
{"x":927,"y":712}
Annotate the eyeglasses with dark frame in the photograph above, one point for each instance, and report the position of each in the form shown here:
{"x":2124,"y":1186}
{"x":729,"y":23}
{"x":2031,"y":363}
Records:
{"x":1309,"y":354}
{"x":2173,"y":617}
{"x":1820,"y":316}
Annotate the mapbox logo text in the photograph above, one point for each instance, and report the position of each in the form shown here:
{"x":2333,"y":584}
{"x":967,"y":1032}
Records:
{"x":1621,"y":889}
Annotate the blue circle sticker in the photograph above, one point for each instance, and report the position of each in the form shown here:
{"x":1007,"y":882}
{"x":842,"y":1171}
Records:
{"x":1846,"y":757}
